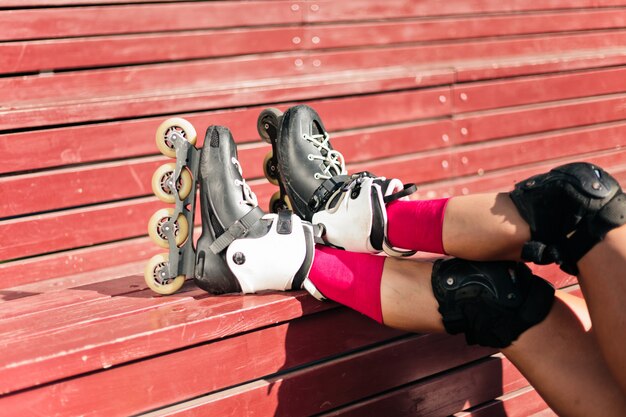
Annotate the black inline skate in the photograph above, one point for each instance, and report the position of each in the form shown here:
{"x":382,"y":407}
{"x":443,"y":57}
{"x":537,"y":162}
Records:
{"x":314,"y":182}
{"x":241,"y":249}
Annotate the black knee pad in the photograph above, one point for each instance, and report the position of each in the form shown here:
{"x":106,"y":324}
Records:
{"x":492,"y":303}
{"x":569,"y":210}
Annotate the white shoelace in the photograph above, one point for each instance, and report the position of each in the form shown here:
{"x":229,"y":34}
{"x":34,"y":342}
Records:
{"x":249,"y":197}
{"x":333,"y":162}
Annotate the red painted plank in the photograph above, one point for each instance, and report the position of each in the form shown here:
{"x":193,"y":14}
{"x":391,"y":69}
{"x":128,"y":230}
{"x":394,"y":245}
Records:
{"x":487,"y":156}
{"x":504,"y":180}
{"x":104,"y":20}
{"x":537,"y":118}
{"x":75,"y":228}
{"x":260,"y":92}
{"x":67,"y":145}
{"x":521,"y":403}
{"x":76,"y":316}
{"x":487,"y":51}
{"x":30,"y":3}
{"x":444,"y":394}
{"x":51,"y":190}
{"x":204,"y":368}
{"x":536,"y":89}
{"x":130,"y":337}
{"x":328,"y":10}
{"x":461,"y":27}
{"x":95,"y":258}
{"x":78,"y":52}
{"x":540,"y":64}
{"x":344,"y":380}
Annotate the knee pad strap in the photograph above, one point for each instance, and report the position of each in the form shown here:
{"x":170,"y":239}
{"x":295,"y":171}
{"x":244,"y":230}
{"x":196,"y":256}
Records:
{"x":492,"y":303}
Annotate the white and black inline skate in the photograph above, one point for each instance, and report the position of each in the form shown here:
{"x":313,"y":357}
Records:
{"x":241,"y":249}
{"x":313,"y":181}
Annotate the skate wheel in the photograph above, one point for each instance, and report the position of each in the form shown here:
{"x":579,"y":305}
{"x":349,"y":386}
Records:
{"x":268,"y":123}
{"x":278,"y":203}
{"x":175,"y":124}
{"x":154,"y":281}
{"x":160,"y":178}
{"x":157,"y":224}
{"x":270,"y":168}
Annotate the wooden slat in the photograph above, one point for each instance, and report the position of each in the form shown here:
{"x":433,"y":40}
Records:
{"x":345,"y":379}
{"x":451,"y":53}
{"x":78,"y":52}
{"x":487,"y":156}
{"x":246,"y":357}
{"x":268,"y":91}
{"x":443,"y":394}
{"x":107,"y":20}
{"x":75,"y":228}
{"x":76,"y":316}
{"x":473,"y":70}
{"x":69,"y":352}
{"x":329,"y":10}
{"x":539,"y":118}
{"x":537,"y":89}
{"x":521,"y":403}
{"x":96,"y":258}
{"x":425,"y":30}
{"x":71,"y":187}
{"x":66,"y":22}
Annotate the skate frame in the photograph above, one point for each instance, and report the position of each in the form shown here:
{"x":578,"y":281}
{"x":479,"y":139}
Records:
{"x":186,"y":155}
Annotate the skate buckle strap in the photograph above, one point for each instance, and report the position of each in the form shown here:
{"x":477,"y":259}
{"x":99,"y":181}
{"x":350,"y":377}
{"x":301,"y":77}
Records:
{"x":236,"y":230}
{"x":407,"y":190}
{"x":325,"y":190}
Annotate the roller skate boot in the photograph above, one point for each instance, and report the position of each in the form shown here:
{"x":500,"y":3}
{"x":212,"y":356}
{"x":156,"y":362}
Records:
{"x":241,"y":248}
{"x":313,"y":181}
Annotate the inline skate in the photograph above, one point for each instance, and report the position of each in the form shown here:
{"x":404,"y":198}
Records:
{"x":241,"y":249}
{"x":314,"y":182}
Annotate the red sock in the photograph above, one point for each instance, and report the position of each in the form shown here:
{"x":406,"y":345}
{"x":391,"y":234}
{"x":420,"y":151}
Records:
{"x":416,"y":225}
{"x":351,"y":279}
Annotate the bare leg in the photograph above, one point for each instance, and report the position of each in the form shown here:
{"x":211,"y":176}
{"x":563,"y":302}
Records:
{"x":603,"y":281}
{"x":558,"y":356}
{"x":484,"y":227}
{"x":488,"y":227}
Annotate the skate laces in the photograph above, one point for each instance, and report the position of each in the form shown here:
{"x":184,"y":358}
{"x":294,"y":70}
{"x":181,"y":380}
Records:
{"x":248,"y":196}
{"x":332,"y":160}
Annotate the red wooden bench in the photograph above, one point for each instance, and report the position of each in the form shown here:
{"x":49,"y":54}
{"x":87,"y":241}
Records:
{"x":457,"y":96}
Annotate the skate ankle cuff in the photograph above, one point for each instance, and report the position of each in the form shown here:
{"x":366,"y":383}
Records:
{"x":236,"y":230}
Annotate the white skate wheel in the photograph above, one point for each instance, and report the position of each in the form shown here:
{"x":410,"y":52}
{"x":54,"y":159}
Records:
{"x":156,"y":227}
{"x":175,"y":124}
{"x":151,"y":275}
{"x":162,"y":175}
